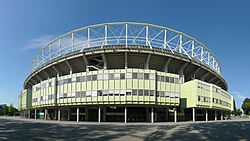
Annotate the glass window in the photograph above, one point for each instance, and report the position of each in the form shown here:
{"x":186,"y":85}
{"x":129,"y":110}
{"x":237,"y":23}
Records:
{"x":199,"y":98}
{"x":88,"y":78}
{"x":171,"y":80}
{"x":123,"y":92}
{"x":83,"y":78}
{"x":134,"y":75}
{"x":167,"y":94}
{"x":78,"y":94}
{"x":99,"y":77}
{"x":146,"y":76}
{"x":146,"y":92}
{"x":152,"y":92}
{"x":73,"y":80}
{"x":105,"y":77}
{"x":140,"y":75}
{"x":69,"y":80}
{"x":129,"y":75}
{"x":94,"y":77}
{"x":50,"y":84}
{"x":162,"y":94}
{"x":176,"y":80}
{"x":122,"y":76}
{"x":111,"y":76}
{"x":105,"y":92}
{"x":117,"y":76}
{"x":162,"y":78}
{"x":140,"y":92}
{"x":111,"y":92}
{"x":88,"y":93}
{"x":94,"y":93}
{"x":167,"y":79}
{"x":152,"y":76}
{"x":83,"y":94}
{"x":78,"y":79}
{"x":134,"y":92}
{"x":129,"y":92}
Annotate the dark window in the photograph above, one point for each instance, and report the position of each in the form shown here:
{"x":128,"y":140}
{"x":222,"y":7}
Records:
{"x":167,"y":79}
{"x":94,"y":77}
{"x":146,"y":92}
{"x":134,"y":92}
{"x":111,"y":76}
{"x":146,"y":76}
{"x":140,"y":92}
{"x":128,"y":93}
{"x":152,"y":92}
{"x":122,"y":76}
{"x":69,"y":80}
{"x":134,"y":75}
{"x":78,"y":79}
{"x":83,"y":78}
{"x":99,"y":93}
{"x":88,"y":78}
{"x":162,"y":78}
{"x":171,"y":80}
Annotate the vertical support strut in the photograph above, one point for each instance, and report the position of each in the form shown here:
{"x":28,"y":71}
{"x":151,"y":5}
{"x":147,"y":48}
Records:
{"x":77,"y":114}
{"x":125,"y":115}
{"x":126,"y":26}
{"x":152,"y":114}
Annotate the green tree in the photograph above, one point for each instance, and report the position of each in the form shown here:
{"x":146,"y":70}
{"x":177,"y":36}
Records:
{"x":5,"y":110}
{"x":11,"y":110}
{"x":246,"y":106}
{"x":238,"y":112}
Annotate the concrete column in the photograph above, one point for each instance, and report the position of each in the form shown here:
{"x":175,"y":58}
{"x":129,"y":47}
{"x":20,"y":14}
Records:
{"x":55,"y":114}
{"x":215,"y":115}
{"x":147,"y":116}
{"x":86,"y":114}
{"x":104,"y":114}
{"x":45,"y":114}
{"x":125,"y":115}
{"x":68,"y":113}
{"x":166,"y":114}
{"x":175,"y":115}
{"x":29,"y":114}
{"x":77,"y":114}
{"x":59,"y":114}
{"x":221,"y":117}
{"x":99,"y":114}
{"x":152,"y":114}
{"x":193,"y":114}
{"x":206,"y":115}
{"x":35,"y":113}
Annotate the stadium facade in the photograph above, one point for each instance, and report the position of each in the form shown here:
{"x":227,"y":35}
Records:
{"x":125,"y":72}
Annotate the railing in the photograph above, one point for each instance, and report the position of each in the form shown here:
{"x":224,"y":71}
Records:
{"x":126,"y":33}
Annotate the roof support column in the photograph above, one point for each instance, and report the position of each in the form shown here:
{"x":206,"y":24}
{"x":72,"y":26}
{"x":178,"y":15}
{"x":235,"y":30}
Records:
{"x":105,"y":61}
{"x":86,"y":62}
{"x":166,"y":65}
{"x":146,"y":66}
{"x":181,"y":72}
{"x":126,"y":60}
{"x":193,"y":74}
{"x":204,"y":76}
{"x":70,"y":67}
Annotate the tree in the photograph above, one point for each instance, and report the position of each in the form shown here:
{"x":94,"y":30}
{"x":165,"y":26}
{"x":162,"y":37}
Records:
{"x":246,"y":106}
{"x":238,"y":112}
{"x":11,"y":110}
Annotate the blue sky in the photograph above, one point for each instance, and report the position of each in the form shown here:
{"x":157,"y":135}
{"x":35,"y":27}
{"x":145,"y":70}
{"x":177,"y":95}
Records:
{"x":223,"y":26}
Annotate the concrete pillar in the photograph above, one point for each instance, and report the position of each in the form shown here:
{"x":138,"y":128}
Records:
{"x":86,"y":114}
{"x":193,"y":114}
{"x":77,"y":114}
{"x":152,"y":114}
{"x":215,"y":115}
{"x":29,"y":114}
{"x":35,"y":113}
{"x":206,"y":115}
{"x":221,"y":117}
{"x":166,"y":114}
{"x":175,"y":115}
{"x":68,"y":113}
{"x":45,"y":114}
{"x":125,"y":115}
{"x":59,"y":114}
{"x":104,"y":114}
{"x":99,"y":114}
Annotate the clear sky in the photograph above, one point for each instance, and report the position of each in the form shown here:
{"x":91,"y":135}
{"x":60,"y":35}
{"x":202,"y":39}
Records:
{"x":25,"y":26}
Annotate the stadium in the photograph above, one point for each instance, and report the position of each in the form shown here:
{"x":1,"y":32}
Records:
{"x":125,"y":72}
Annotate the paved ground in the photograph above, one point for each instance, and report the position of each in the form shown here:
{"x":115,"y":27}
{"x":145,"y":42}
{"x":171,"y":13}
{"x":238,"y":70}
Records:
{"x":23,"y":129}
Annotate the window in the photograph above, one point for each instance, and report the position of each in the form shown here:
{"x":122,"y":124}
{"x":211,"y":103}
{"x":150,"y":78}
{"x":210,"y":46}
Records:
{"x":73,"y":80}
{"x":117,"y":76}
{"x":152,"y":76}
{"x":176,"y":80}
{"x":140,"y":92}
{"x":78,"y":79}
{"x":88,"y":78}
{"x":134,"y":75}
{"x":171,"y":80}
{"x":69,"y":80}
{"x":129,"y":92}
{"x":129,"y":75}
{"x":117,"y":92}
{"x":83,"y":94}
{"x":152,"y":92}
{"x":78,"y":94}
{"x":111,"y":76}
{"x":99,"y":77}
{"x":199,"y":98}
{"x":122,"y":76}
{"x":162,"y":94}
{"x":99,"y":93}
{"x":146,"y":76}
{"x":167,"y":94}
{"x":140,"y":75}
{"x":122,"y":92}
{"x":83,"y":78}
{"x":94,"y":77}
{"x":50,"y":84}
{"x":105,"y":92}
{"x":146,"y":92}
{"x":94,"y":93}
{"x":167,"y":79}
{"x":111,"y":92}
{"x":134,"y":92}
{"x":88,"y":93}
{"x":105,"y":77}
{"x":162,"y":78}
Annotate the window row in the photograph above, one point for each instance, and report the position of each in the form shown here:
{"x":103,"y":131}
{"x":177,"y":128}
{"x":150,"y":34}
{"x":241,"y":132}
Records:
{"x":80,"y":94}
{"x":168,"y":94}
{"x":43,"y":98}
{"x":116,"y":76}
{"x":219,"y":91}
{"x":223,"y":103}
{"x":203,"y":86}
{"x":45,"y":85}
{"x":167,"y":79}
{"x":203,"y":99}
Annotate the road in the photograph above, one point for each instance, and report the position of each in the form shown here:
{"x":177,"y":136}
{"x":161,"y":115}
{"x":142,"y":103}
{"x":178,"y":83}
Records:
{"x":24,"y":129}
